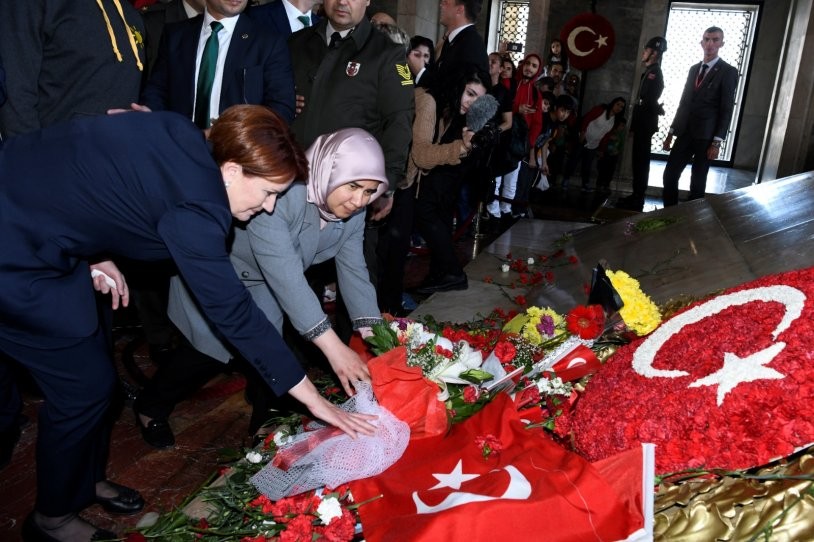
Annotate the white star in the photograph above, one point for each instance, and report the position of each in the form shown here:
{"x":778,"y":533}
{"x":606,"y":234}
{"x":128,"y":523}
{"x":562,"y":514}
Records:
{"x":455,"y":478}
{"x":601,"y":41}
{"x":737,"y":370}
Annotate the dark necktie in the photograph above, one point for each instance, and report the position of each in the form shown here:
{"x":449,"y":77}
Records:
{"x":206,"y":77}
{"x":701,"y":75}
{"x":439,"y":51}
{"x":336,"y":37}
{"x":305,"y":20}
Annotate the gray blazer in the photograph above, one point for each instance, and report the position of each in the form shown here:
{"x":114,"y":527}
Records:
{"x":705,"y":113}
{"x":270,"y":255}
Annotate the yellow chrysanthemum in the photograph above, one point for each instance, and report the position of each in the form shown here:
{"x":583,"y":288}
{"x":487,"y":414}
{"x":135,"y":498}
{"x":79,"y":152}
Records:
{"x":526,"y":324}
{"x":639,"y":313}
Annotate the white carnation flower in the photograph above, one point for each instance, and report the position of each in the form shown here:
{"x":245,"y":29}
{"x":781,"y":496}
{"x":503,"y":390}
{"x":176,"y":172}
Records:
{"x":254,"y":457}
{"x":328,"y":509}
{"x":530,"y":261}
{"x":505,"y":268}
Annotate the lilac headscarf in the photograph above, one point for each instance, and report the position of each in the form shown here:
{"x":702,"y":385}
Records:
{"x":344,"y":156}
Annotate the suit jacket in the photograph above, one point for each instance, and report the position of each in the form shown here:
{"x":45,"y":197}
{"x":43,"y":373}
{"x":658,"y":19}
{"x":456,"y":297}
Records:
{"x":273,"y":15}
{"x":706,"y":113}
{"x":467,"y":50}
{"x":466,"y":53}
{"x":257,"y":70}
{"x":156,"y":17}
{"x":363,"y":82}
{"x":270,"y":255}
{"x":141,"y":186}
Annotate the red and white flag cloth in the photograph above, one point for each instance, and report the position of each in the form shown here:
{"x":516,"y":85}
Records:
{"x":527,"y":488}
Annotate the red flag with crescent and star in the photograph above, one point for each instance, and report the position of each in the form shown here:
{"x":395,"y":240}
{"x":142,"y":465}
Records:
{"x":491,"y":478}
{"x":589,"y":39}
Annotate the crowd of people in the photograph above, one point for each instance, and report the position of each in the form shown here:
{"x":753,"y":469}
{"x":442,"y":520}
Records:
{"x":218,"y":164}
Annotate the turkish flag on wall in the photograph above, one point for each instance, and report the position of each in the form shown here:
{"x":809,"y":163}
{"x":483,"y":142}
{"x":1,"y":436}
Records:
{"x":532,"y":489}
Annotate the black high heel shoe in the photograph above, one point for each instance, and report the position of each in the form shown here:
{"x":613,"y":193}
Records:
{"x":31,"y":532}
{"x":128,"y":500}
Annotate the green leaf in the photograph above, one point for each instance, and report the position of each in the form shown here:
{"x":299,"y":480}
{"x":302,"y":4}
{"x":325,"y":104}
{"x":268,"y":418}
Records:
{"x":384,"y":339}
{"x":476,"y":376}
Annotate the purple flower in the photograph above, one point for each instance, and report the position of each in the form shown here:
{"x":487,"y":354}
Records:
{"x":546,"y":325}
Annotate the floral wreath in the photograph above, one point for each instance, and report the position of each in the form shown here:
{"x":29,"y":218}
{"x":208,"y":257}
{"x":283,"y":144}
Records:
{"x":726,"y":383}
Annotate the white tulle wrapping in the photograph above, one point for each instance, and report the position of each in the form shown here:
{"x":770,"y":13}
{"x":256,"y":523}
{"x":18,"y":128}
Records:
{"x":339,"y":459}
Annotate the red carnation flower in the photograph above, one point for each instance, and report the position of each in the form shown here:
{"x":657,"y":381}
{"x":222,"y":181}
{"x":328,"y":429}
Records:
{"x":489,"y":444}
{"x":520,"y":300}
{"x":586,"y":322}
{"x":505,"y":351}
{"x":471,"y":394}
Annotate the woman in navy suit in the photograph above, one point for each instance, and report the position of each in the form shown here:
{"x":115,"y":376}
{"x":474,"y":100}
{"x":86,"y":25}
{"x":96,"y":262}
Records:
{"x":146,"y":187}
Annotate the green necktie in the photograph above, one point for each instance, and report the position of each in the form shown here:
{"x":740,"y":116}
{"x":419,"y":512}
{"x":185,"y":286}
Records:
{"x":206,"y":77}
{"x":305,"y":20}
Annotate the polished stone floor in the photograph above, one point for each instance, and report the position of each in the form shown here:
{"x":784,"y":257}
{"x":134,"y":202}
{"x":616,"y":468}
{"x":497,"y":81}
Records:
{"x":723,"y":240}
{"x":709,"y":244}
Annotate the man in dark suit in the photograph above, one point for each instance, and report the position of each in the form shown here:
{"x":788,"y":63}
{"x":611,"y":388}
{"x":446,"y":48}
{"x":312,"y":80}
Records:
{"x":702,"y":120}
{"x":256,"y":69}
{"x":463,"y":47}
{"x":157,"y":16}
{"x":285,"y":16}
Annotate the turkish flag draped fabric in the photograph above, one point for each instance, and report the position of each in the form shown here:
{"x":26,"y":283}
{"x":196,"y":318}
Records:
{"x":528,"y":488}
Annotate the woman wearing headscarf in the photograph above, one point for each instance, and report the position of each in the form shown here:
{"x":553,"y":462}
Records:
{"x":311,"y":223}
{"x":76,"y":193}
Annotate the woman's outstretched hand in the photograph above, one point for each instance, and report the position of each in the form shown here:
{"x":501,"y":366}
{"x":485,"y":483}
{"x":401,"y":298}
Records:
{"x":351,"y":423}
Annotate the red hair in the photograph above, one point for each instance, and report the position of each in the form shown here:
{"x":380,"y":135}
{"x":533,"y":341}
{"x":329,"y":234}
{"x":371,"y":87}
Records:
{"x":257,"y":139}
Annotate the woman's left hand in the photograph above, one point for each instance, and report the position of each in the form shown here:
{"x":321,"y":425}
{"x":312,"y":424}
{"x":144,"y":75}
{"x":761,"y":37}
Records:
{"x":108,"y":279}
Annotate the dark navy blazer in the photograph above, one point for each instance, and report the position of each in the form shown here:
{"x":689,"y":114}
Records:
{"x":139,"y":185}
{"x":257,"y":69}
{"x":273,"y":15}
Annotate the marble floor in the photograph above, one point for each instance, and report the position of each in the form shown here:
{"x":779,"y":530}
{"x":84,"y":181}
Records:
{"x":714,"y":243}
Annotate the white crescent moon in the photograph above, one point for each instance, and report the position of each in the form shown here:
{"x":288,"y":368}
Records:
{"x":792,"y":298}
{"x":572,"y":40}
{"x":576,"y":362}
{"x":519,"y":489}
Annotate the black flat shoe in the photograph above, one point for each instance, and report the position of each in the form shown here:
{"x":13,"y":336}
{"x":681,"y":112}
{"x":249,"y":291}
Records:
{"x":31,"y":532}
{"x":157,"y":433}
{"x":128,"y":501}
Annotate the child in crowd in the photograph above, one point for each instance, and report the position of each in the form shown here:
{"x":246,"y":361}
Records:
{"x":557,"y":54}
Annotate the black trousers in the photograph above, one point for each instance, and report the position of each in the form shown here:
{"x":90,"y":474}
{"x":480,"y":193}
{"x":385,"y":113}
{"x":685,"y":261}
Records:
{"x":437,"y":198}
{"x":184,"y":373}
{"x":640,"y":161}
{"x":77,"y":380}
{"x":394,"y":244}
{"x":685,"y":150}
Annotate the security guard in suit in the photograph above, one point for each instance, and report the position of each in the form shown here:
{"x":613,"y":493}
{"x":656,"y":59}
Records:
{"x":645,"y":121}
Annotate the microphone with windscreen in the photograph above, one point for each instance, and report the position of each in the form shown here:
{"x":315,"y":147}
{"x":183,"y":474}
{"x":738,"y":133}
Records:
{"x":480,"y":112}
{"x":478,"y":118}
